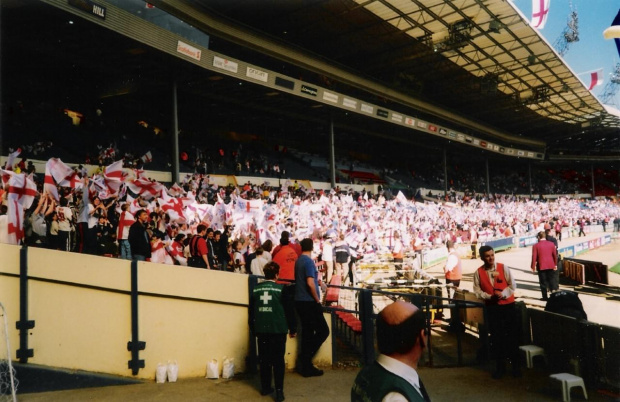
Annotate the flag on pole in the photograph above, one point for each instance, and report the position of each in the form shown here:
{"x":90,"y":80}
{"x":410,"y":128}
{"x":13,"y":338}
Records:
{"x":596,"y":78}
{"x":614,"y":31}
{"x":540,"y":12}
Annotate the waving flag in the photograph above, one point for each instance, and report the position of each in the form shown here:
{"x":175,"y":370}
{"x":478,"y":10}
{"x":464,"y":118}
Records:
{"x":614,"y":31}
{"x":16,"y":222}
{"x":56,"y":172}
{"x":113,"y":177}
{"x":540,"y":12}
{"x":8,"y":166}
{"x":596,"y":78}
{"x":22,"y":190}
{"x":145,"y":188}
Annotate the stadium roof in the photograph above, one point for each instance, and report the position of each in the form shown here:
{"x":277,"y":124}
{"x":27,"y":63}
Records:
{"x":475,"y":64}
{"x":479,"y":58}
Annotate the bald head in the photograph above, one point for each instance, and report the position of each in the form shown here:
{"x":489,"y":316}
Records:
{"x":397,"y":312}
{"x":398,"y":327}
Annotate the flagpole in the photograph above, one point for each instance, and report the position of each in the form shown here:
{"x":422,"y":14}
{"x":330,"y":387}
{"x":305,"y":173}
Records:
{"x":175,"y":134}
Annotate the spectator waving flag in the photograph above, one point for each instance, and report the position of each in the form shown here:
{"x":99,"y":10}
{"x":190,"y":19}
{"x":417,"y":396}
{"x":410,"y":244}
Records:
{"x":614,"y":31}
{"x":8,"y":166}
{"x":540,"y":12}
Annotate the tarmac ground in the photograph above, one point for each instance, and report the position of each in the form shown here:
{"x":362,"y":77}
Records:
{"x":470,"y":383}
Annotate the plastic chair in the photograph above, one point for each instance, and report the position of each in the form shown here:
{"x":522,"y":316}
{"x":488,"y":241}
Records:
{"x":530,"y":352}
{"x":569,"y":381}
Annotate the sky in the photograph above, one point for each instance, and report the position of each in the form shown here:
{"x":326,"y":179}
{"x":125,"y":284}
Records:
{"x":592,"y":52}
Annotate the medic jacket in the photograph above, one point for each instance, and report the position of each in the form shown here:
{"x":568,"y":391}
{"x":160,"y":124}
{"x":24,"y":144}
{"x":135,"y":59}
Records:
{"x":273,"y":305}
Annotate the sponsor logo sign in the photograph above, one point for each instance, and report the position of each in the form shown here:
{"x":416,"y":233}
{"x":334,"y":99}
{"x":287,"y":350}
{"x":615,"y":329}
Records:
{"x":257,"y":74}
{"x":225,"y":64}
{"x":90,"y":7}
{"x":309,"y":90}
{"x":409,"y":121}
{"x":281,"y":82}
{"x":367,"y":108}
{"x":397,"y":117}
{"x":189,"y":50}
{"x":330,"y":97}
{"x":350,"y":103}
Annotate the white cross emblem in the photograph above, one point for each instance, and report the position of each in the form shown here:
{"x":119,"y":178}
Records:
{"x":265,"y":297}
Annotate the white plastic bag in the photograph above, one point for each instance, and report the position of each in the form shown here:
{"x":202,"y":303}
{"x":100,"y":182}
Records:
{"x":213,"y":369}
{"x":160,"y":373}
{"x":228,"y":367}
{"x":173,"y":370}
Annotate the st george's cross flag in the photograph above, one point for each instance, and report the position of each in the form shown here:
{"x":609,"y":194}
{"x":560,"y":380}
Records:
{"x":596,"y":78}
{"x":56,"y":172}
{"x":540,"y":12}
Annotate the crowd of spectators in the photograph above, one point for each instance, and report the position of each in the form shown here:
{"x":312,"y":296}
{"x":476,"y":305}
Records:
{"x":243,"y":222}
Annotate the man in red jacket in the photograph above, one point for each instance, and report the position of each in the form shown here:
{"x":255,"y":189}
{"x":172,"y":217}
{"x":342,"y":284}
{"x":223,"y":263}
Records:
{"x":544,"y":259}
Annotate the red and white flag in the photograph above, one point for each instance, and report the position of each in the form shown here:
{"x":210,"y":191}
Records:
{"x":56,"y":172}
{"x":145,"y":188}
{"x":540,"y":12}
{"x":15,"y":222}
{"x":21,"y":189}
{"x":596,"y":78}
{"x":175,"y":190}
{"x":147,"y":157}
{"x":113,"y":177}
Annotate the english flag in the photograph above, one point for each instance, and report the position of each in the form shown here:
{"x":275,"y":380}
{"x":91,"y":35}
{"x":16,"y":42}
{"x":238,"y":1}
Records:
{"x":113,"y":177}
{"x":56,"y":172}
{"x":145,"y":188}
{"x":596,"y":78}
{"x":15,"y":222}
{"x":147,"y":157}
{"x":540,"y":12}
{"x":22,"y":190}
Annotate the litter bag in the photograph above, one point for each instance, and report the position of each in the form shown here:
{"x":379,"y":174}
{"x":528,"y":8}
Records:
{"x":213,"y":369}
{"x":173,"y":370}
{"x":160,"y":373}
{"x":228,"y":367}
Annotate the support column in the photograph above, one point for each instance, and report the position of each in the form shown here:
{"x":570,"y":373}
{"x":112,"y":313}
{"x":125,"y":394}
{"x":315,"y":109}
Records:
{"x":445,"y":174}
{"x":529,"y":174}
{"x":175,"y":135}
{"x":592,"y":176}
{"x":486,"y":162}
{"x":332,"y":154}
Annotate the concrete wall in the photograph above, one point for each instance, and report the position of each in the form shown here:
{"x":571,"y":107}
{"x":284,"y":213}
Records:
{"x":81,"y":306}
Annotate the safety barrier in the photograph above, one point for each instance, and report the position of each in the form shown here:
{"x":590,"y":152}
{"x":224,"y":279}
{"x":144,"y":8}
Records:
{"x":587,"y":349}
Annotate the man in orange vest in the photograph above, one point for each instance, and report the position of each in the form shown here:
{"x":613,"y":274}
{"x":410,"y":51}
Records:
{"x":494,"y":284}
{"x":452,"y":269}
